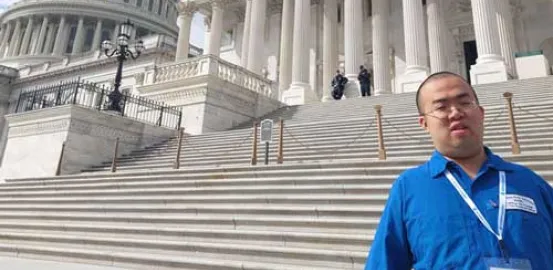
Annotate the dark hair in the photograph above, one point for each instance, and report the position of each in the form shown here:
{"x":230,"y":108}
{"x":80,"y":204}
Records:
{"x":439,"y":75}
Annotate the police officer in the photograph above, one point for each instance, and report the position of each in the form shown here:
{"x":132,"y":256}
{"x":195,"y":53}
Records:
{"x":465,"y":208}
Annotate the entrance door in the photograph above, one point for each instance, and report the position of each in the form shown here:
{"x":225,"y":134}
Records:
{"x":469,"y":47}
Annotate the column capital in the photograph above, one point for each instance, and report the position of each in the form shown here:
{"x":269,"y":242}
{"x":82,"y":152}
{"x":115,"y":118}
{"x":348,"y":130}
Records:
{"x":187,"y":8}
{"x":219,"y":3}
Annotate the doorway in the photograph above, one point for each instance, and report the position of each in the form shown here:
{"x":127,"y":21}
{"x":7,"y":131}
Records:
{"x":469,"y":48}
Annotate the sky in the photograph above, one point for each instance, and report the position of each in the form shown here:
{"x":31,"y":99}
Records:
{"x":196,"y":33}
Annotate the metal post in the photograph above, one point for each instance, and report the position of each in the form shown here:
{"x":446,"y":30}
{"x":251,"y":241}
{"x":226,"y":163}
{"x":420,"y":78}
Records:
{"x":179,"y":145}
{"x":266,"y":153}
{"x":114,"y":161}
{"x":180,"y":119}
{"x":101,"y":99}
{"x":280,"y":157}
{"x":76,"y":93}
{"x":515,"y":146}
{"x":254,"y":146}
{"x":381,"y":148}
{"x":60,"y":160}
{"x":18,"y":103}
{"x":160,"y":116}
{"x":58,"y":95}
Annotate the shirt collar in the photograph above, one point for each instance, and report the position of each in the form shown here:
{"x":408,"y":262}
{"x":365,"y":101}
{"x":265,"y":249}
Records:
{"x":438,"y":163}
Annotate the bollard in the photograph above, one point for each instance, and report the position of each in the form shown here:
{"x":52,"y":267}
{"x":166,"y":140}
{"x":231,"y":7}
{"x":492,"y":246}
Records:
{"x":280,"y":157}
{"x":58,"y":170}
{"x":254,"y":146}
{"x":114,"y":161}
{"x":515,"y":146}
{"x":381,"y":148}
{"x":179,"y":145}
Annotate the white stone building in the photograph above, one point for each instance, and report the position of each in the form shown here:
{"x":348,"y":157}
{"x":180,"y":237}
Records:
{"x":262,"y":54}
{"x":401,"y":41}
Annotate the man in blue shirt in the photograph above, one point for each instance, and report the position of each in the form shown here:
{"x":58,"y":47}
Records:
{"x":466,"y":208}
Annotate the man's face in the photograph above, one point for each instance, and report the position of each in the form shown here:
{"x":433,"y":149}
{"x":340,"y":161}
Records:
{"x":452,"y":117}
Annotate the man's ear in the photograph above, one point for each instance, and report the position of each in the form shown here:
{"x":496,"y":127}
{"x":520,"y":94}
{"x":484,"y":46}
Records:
{"x":422,"y":122}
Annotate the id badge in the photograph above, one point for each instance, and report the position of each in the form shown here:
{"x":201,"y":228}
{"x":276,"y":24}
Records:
{"x":512,"y":264}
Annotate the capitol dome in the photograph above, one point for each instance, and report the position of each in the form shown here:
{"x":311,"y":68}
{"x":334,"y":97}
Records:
{"x":35,"y":31}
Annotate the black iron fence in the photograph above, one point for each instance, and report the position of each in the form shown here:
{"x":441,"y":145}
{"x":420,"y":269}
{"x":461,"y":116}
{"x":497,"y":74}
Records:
{"x":91,"y":95}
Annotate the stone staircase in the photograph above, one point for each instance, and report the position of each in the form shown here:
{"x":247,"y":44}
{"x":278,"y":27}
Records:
{"x":317,"y":211}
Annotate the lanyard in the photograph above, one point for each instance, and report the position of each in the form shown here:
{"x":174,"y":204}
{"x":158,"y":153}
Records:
{"x":478,"y":214}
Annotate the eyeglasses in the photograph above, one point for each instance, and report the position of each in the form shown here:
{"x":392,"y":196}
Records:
{"x":443,"y":110}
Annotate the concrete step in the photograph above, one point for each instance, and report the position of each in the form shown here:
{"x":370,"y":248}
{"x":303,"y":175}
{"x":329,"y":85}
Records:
{"x":340,"y":241}
{"x":283,"y":210}
{"x":207,"y":221}
{"x":162,"y":200}
{"x":339,"y":168}
{"x":132,"y":260}
{"x":260,"y":254}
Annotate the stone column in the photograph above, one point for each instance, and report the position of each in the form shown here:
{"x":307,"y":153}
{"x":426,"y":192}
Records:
{"x":49,"y":40}
{"x":97,"y":36}
{"x":436,"y":36}
{"x":15,"y":41}
{"x":246,"y":35}
{"x":506,"y":35}
{"x":330,"y":45}
{"x":5,"y":39}
{"x":2,"y":34}
{"x":286,"y":37}
{"x":41,"y":36}
{"x":186,"y":12}
{"x":300,"y":91}
{"x":353,"y":44}
{"x":520,"y":32}
{"x":79,"y":37}
{"x":27,"y":37}
{"x":489,"y":67}
{"x":416,"y":53}
{"x":256,"y":57}
{"x":58,"y":46}
{"x":115,"y":33}
{"x":381,"y":51}
{"x":217,"y":7}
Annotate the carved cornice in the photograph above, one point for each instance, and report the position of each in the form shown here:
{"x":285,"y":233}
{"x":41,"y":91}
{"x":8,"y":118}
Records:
{"x":79,"y":68}
{"x":38,"y":128}
{"x":84,"y":127}
{"x":179,"y":97}
{"x":187,"y":7}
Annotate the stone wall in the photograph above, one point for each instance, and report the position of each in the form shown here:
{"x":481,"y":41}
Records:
{"x":35,"y":139}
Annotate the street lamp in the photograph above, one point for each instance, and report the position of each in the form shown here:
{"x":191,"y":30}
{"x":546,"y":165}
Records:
{"x":122,"y":50}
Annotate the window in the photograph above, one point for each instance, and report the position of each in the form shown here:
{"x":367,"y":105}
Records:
{"x":227,"y":38}
{"x":369,"y":8}
{"x":339,"y":10}
{"x":159,"y":7}
{"x":89,"y":38}
{"x":151,"y":5}
{"x":126,"y":1}
{"x":106,"y":35}
{"x":139,"y":3}
{"x":69,"y":45}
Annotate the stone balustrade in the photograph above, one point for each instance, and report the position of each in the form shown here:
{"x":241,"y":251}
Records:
{"x":211,"y":65}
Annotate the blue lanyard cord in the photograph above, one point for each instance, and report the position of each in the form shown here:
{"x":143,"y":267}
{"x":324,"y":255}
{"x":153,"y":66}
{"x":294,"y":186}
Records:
{"x":478,"y":214}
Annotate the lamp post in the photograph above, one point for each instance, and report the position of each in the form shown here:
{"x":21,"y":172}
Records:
{"x":122,"y":50}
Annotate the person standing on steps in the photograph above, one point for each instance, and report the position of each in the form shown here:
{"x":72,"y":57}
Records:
{"x":364,"y":81}
{"x":465,"y":208}
{"x":338,"y":85}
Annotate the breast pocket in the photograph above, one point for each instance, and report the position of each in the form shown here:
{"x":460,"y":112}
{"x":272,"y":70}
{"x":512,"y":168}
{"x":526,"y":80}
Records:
{"x":528,"y":230}
{"x":439,"y":239}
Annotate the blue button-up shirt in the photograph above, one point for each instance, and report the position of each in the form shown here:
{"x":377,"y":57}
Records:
{"x":427,"y":225}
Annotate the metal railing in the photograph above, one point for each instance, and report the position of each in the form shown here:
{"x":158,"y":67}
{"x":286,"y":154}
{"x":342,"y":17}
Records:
{"x":93,"y":96}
